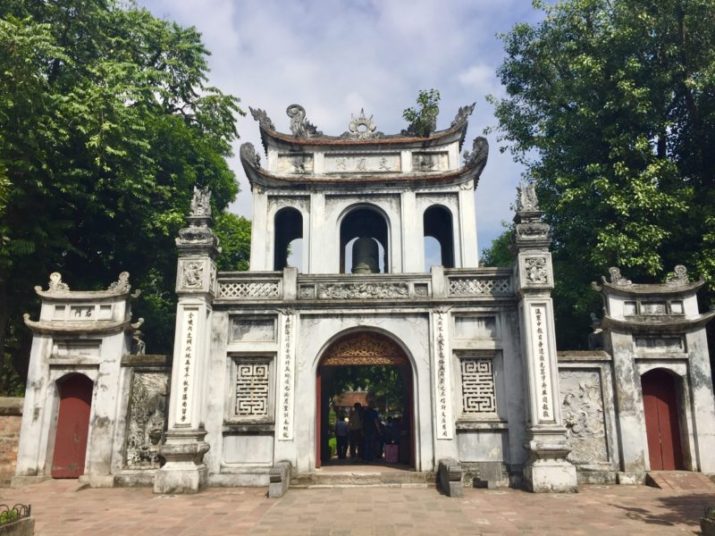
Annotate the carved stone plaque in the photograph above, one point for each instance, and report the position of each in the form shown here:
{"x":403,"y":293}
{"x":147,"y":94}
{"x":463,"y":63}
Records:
{"x":582,"y":408}
{"x":295,"y":164}
{"x":363,"y":163}
{"x":258,"y":329}
{"x":146,"y":419}
{"x":430,"y":161}
{"x":475,"y":327}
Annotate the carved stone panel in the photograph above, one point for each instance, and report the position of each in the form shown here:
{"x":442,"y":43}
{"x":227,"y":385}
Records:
{"x":195,"y":275}
{"x":478,"y":392}
{"x":536,"y":271}
{"x":582,"y":408}
{"x":252,"y":388}
{"x":146,"y":419}
{"x":359,"y":291}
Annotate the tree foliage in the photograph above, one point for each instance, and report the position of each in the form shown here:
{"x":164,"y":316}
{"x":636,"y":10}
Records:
{"x":499,"y":253}
{"x":106,"y":124}
{"x":611,"y":105}
{"x":423,"y":118}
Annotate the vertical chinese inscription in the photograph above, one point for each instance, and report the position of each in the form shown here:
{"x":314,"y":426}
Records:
{"x":286,"y":380}
{"x":188,"y":352}
{"x":478,"y":393}
{"x":443,"y":424}
{"x":542,"y":368}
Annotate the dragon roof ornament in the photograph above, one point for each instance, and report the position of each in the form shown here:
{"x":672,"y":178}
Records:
{"x":462,"y":115}
{"x":299,"y":125}
{"x":262,"y":117}
{"x":477,"y":157}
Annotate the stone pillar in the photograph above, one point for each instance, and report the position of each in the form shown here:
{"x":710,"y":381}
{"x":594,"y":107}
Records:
{"x":547,"y":468}
{"x":185,"y":471}
{"x":260,"y":248}
{"x":467,"y":228}
{"x":413,"y":250}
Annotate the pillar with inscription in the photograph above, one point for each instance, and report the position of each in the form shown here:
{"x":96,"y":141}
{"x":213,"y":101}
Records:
{"x":547,"y":468}
{"x":184,"y":470}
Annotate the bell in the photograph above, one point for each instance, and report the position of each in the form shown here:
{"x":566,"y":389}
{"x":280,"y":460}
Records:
{"x":365,"y":254}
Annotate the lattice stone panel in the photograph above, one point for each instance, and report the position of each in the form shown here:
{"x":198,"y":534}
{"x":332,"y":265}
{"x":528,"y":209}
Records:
{"x":252,"y":381}
{"x":478,"y":394}
{"x":470,"y":286}
{"x":251,"y":289}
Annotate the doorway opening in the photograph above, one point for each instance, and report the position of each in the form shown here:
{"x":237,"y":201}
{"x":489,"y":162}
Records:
{"x":364,"y":396}
{"x":662,"y":420}
{"x":75,"y":393}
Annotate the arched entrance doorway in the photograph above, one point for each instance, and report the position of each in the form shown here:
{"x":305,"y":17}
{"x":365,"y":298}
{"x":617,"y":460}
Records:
{"x":365,"y":354}
{"x":662,"y":420}
{"x":75,"y":392}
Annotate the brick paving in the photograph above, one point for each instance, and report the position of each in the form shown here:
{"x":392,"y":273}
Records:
{"x":604,"y":510}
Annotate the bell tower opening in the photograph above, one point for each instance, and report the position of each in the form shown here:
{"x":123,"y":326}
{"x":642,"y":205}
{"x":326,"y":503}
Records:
{"x":363,"y":242}
{"x":288,"y":243}
{"x":439,"y":237}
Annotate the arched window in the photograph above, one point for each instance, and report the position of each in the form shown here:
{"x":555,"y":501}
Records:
{"x":439,"y":237}
{"x":363,"y":242}
{"x":288,"y":244}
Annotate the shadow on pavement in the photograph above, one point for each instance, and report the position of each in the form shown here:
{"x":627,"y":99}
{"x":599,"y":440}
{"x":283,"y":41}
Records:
{"x":686,"y":509}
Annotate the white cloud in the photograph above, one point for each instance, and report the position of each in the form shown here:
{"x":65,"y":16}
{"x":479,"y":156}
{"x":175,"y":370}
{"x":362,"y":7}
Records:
{"x":337,"y":57}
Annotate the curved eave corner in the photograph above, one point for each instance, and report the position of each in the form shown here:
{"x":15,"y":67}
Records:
{"x":651,"y":290}
{"x":273,"y":138}
{"x":81,"y":327}
{"x":258,"y":176}
{"x":659,"y":325}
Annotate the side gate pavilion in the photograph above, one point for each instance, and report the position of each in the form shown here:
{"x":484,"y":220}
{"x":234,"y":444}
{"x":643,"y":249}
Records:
{"x":475,"y":347}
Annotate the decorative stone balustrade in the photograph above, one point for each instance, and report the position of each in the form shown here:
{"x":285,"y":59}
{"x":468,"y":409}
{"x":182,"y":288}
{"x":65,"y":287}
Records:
{"x":441,"y":284}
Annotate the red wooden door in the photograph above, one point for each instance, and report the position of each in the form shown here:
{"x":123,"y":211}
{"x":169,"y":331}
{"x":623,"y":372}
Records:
{"x":72,"y":426}
{"x":660,"y":404}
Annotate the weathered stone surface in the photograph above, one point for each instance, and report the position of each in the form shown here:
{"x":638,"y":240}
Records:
{"x":146,"y":419}
{"x":449,"y":476}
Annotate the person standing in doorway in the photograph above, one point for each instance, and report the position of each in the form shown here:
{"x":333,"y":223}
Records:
{"x":341,"y":435}
{"x":355,"y":431}
{"x":371,"y":431}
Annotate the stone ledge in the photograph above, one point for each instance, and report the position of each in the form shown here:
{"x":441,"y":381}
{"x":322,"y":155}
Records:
{"x":11,"y":405}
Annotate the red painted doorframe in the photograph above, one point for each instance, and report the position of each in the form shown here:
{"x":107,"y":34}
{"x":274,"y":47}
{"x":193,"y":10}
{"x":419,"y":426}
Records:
{"x":75,"y":392}
{"x":662,"y":420}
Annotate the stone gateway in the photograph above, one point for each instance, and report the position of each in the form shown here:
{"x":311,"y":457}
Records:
{"x":339,"y":277}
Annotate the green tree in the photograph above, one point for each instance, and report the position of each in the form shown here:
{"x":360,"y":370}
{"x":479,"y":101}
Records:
{"x":234,"y":233}
{"x":423,"y":118}
{"x":106,"y":124}
{"x":499,"y":253}
{"x":611,"y":106}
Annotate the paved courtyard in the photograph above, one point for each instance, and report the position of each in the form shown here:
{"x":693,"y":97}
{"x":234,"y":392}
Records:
{"x":60,"y":509}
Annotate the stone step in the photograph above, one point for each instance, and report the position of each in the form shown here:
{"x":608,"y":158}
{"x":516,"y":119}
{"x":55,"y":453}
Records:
{"x":679,"y":481}
{"x":350,"y":479}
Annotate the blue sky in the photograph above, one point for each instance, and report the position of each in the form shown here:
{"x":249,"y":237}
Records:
{"x":336,"y":57}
